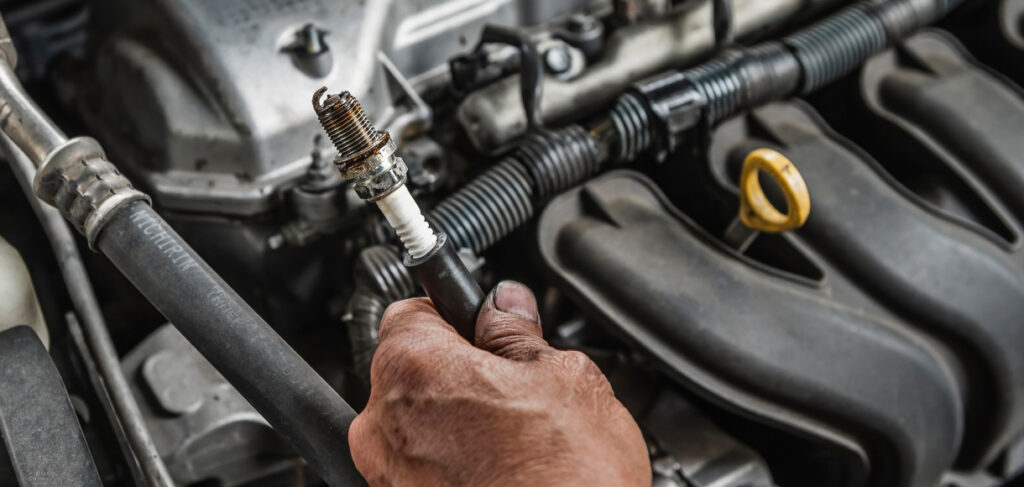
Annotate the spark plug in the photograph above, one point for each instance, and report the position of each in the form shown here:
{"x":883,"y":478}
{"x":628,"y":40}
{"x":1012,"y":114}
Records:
{"x":367,"y":157}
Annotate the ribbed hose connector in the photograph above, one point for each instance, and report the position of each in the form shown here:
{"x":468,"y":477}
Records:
{"x":504,"y":197}
{"x":380,"y":269}
{"x":633,"y":128}
{"x":381,"y":279}
{"x":488,"y":208}
{"x":78,"y":180}
{"x":721,"y":85}
{"x":362,"y":321}
{"x":559,"y":160}
{"x":660,"y":111}
{"x":903,"y":17}
{"x":739,"y":79}
{"x":836,"y":46}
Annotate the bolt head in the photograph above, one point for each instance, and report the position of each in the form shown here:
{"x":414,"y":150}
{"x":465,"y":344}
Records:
{"x":557,"y":59}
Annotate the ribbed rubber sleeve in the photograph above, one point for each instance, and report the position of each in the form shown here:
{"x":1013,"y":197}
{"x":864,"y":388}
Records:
{"x":559,"y":160}
{"x":381,"y":279}
{"x":504,"y":197}
{"x":380,"y":269}
{"x":632,"y":127}
{"x":721,"y":86}
{"x":836,"y":46}
{"x":488,"y":208}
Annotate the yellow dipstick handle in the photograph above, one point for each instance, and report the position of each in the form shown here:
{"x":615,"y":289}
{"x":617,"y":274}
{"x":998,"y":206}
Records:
{"x":756,"y":212}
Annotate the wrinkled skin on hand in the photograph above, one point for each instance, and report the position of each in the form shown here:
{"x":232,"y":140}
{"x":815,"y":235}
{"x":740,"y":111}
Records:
{"x":509,"y":411}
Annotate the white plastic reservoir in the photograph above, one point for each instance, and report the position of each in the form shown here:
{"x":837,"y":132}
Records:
{"x":18,"y":302}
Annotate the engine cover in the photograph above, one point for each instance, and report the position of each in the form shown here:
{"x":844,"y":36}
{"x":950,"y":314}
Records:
{"x":760,"y":342}
{"x":211,"y":99}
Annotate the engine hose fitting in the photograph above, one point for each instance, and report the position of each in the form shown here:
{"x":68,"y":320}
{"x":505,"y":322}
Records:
{"x":77,"y":179}
{"x":488,"y":208}
{"x":559,"y":160}
{"x":675,"y":103}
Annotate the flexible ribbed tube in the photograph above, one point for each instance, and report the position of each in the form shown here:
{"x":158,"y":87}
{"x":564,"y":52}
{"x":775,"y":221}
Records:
{"x":632,"y":127}
{"x":836,"y":46}
{"x":381,"y":278}
{"x":721,"y":86}
{"x":488,"y":208}
{"x":559,"y":160}
{"x":380,"y":269}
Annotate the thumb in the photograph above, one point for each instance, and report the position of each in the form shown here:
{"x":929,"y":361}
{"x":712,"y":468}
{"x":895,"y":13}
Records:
{"x":509,"y":323}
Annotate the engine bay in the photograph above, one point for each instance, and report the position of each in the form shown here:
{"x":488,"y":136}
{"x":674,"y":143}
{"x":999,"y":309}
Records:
{"x":788,"y":231}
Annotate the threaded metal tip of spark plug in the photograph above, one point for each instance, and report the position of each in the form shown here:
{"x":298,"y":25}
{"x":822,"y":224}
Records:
{"x":345,"y":122}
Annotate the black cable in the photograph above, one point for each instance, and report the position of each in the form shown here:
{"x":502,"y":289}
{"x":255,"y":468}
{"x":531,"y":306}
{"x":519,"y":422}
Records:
{"x":722,"y":22}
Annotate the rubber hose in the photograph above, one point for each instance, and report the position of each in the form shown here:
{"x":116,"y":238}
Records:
{"x":381,"y":279}
{"x":292,"y":397}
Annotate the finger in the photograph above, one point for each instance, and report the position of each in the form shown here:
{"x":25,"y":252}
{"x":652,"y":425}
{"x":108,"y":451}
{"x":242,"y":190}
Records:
{"x":412,"y":315}
{"x":509,"y":323}
{"x":367,"y":447}
{"x":416,"y":347}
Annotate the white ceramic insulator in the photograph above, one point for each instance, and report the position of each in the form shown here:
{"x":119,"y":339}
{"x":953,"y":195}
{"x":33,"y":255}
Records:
{"x":405,"y":217}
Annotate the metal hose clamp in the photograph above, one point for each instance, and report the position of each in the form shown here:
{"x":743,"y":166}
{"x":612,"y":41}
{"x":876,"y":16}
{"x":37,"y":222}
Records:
{"x":77,"y":179}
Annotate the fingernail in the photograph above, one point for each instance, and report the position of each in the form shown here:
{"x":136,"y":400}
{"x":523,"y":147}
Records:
{"x":514,"y":298}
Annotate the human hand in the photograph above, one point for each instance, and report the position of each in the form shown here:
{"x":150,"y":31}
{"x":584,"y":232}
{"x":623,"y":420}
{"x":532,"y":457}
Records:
{"x":510,"y":411}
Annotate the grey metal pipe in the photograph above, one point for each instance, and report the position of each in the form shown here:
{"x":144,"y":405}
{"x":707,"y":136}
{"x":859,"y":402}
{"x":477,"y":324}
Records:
{"x":22,"y":120}
{"x":494,"y":116}
{"x":65,"y":249}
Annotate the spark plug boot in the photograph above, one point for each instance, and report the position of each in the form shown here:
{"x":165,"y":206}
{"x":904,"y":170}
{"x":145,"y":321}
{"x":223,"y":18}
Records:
{"x":451,"y":287}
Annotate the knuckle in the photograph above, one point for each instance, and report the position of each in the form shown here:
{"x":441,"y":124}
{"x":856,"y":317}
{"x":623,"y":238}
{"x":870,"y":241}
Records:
{"x":410,"y":363}
{"x":361,"y":444}
{"x":402,"y":313}
{"x":389,"y":367}
{"x":579,"y":363}
{"x":506,"y":338}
